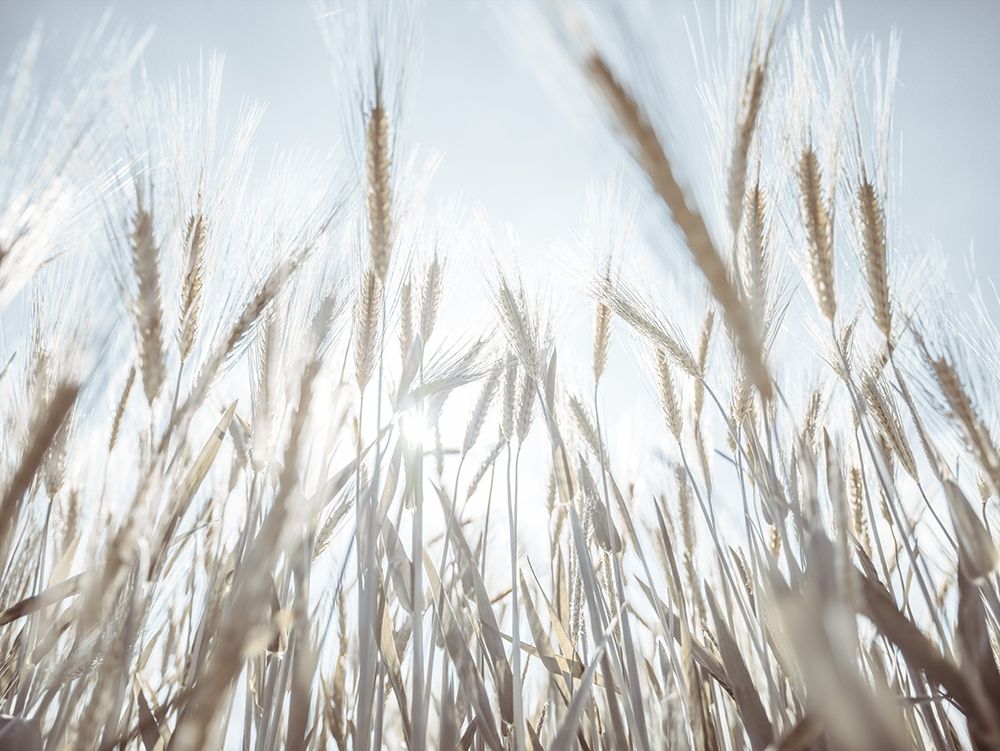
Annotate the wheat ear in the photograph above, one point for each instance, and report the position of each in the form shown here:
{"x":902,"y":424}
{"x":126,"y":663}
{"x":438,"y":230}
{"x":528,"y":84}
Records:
{"x":195,"y":239}
{"x":379,"y":186}
{"x":602,"y":329}
{"x":368,"y":306}
{"x":871,"y":227}
{"x":819,"y":231}
{"x":146,"y":307}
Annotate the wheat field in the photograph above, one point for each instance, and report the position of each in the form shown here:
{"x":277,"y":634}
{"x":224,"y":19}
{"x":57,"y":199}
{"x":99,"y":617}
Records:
{"x":267,"y":482}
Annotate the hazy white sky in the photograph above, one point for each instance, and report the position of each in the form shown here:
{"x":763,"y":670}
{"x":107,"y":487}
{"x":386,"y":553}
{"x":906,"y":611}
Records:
{"x":507,"y":145}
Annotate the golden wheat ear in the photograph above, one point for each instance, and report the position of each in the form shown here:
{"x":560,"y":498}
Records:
{"x":367,"y":316}
{"x":819,"y":231}
{"x":195,"y":240}
{"x":602,"y":327}
{"x":379,"y":176}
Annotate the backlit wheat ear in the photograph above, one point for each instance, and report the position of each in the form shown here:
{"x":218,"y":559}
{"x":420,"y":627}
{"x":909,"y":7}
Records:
{"x":146,"y":305}
{"x":379,"y":164}
{"x":977,"y":435}
{"x":478,"y":415}
{"x":882,"y":408}
{"x":703,"y":344}
{"x":258,"y":303}
{"x":742,"y":402}
{"x":858,"y":520}
{"x":648,"y":152}
{"x":819,"y":231}
{"x":195,"y":239}
{"x":668,"y":395}
{"x":602,"y":328}
{"x":525,"y":405}
{"x":46,"y":425}
{"x":870,"y":221}
{"x":116,"y":421}
{"x":755,"y":255}
{"x":431,"y":298}
{"x":405,"y":320}
{"x":507,"y":407}
{"x":521,"y":327}
{"x":811,"y":419}
{"x":367,"y":317}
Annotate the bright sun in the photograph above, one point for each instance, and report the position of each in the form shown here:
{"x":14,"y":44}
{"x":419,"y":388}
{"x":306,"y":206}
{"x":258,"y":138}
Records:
{"x":417,"y":429}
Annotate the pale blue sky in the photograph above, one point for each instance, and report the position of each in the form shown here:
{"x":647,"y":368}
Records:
{"x":507,"y":145}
